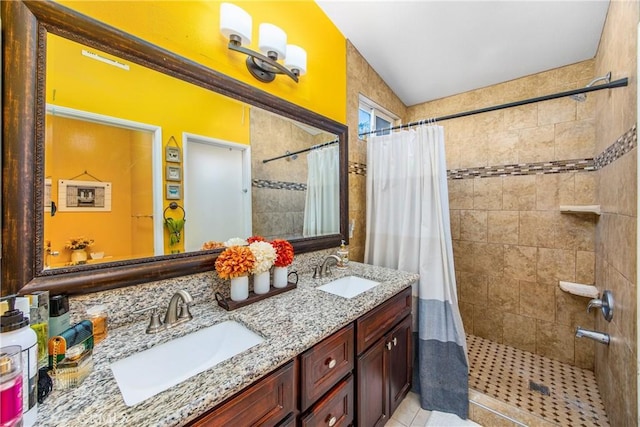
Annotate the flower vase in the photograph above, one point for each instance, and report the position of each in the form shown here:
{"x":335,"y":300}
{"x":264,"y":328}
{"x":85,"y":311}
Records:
{"x":239,"y":288}
{"x":261,"y":283}
{"x":280,"y":277}
{"x":78,"y":256}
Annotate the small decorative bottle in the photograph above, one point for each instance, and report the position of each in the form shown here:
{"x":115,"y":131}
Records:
{"x":343,"y":254}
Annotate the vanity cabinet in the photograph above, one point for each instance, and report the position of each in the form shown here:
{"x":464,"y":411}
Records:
{"x":326,"y":381}
{"x":268,"y":402}
{"x":359,"y":374}
{"x":384,"y":362}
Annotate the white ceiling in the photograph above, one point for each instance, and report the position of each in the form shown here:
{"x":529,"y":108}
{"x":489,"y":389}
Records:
{"x":425,"y":50}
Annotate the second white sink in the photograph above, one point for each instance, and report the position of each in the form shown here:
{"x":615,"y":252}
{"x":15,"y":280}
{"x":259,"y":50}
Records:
{"x":349,"y":286}
{"x":149,"y":372}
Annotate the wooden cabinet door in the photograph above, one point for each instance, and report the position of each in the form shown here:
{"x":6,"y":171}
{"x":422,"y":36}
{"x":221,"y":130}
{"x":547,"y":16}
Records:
{"x":264,"y":403}
{"x":373,"y":386}
{"x":400,"y":363}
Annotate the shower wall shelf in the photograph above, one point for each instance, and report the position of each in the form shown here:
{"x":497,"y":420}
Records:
{"x":580,"y":209}
{"x":588,"y":291}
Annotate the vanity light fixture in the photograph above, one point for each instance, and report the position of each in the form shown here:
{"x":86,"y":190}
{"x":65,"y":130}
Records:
{"x":235,"y":24}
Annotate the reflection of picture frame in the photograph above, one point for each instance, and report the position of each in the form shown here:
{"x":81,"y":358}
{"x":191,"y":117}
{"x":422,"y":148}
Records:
{"x":172,"y":154}
{"x":173,"y":173}
{"x":47,"y":194}
{"x":84,"y":196}
{"x":173,"y":192}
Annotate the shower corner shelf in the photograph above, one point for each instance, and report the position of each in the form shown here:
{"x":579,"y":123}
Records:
{"x":579,"y":289}
{"x":580,"y":209}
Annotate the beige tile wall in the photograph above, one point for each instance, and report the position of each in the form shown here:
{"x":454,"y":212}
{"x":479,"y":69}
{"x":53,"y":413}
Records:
{"x":279,"y":213}
{"x":616,"y":231}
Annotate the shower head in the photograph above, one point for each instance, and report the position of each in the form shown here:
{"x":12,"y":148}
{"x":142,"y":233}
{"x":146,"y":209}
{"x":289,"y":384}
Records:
{"x":581,"y":97}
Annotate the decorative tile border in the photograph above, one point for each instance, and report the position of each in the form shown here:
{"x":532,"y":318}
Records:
{"x":622,"y":146}
{"x":358,"y":168}
{"x":619,"y":148}
{"x":278,"y":185}
{"x":556,"y":166}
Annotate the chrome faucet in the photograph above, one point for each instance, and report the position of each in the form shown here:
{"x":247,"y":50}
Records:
{"x":600,"y":337}
{"x":322,"y":270}
{"x":178,"y":310}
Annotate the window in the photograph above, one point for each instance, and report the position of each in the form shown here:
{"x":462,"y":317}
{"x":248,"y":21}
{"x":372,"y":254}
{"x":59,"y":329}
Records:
{"x":372,"y":116}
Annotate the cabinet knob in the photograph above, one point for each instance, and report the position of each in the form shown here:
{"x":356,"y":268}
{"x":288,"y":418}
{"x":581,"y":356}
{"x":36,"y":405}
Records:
{"x":395,"y":341}
{"x":331,"y":420}
{"x":331,"y":363}
{"x":389,"y":346}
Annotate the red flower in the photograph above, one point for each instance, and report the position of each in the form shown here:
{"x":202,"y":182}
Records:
{"x":284,"y":252}
{"x":252,"y":239}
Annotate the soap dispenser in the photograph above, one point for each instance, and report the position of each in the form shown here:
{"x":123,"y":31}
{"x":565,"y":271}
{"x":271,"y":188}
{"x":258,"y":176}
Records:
{"x":15,"y":330}
{"x":343,"y":254}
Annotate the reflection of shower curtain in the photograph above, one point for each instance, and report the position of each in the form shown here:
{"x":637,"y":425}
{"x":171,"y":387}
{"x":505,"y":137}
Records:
{"x":322,"y":207}
{"x":408,"y":229}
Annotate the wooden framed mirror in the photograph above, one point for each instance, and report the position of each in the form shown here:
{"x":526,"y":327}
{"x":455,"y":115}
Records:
{"x":26,"y":27}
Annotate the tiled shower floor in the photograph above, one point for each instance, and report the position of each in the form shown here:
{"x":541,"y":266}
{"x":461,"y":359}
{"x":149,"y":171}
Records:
{"x":566,"y":395}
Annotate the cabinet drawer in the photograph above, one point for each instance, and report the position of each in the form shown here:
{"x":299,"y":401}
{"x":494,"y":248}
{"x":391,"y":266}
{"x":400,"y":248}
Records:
{"x":377,"y":322}
{"x":323,"y":365}
{"x":335,"y":409}
{"x":265,"y":403}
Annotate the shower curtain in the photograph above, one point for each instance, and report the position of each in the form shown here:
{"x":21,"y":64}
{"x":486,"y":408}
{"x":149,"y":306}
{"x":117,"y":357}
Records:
{"x":322,"y":206}
{"x":408,"y":228}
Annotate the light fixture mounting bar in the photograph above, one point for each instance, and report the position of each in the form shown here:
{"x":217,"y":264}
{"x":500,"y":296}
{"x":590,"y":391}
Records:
{"x":262,"y":67}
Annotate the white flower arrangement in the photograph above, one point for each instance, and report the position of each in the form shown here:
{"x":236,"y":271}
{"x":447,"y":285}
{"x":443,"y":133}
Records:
{"x":265,"y":255}
{"x":235,"y":241}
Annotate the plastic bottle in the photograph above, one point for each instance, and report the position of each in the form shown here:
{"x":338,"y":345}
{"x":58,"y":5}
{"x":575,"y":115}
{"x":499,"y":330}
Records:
{"x":15,"y":330}
{"x":10,"y":386}
{"x":58,"y":315}
{"x":343,"y":254}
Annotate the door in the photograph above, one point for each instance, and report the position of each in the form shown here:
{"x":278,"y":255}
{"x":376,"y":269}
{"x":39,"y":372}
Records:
{"x":400,"y":363}
{"x":217,"y":191}
{"x":373,"y":388}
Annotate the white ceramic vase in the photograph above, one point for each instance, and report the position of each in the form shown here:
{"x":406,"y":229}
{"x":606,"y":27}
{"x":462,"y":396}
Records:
{"x":78,"y":256}
{"x":279,"y":277}
{"x":239,"y":288}
{"x":261,"y":283}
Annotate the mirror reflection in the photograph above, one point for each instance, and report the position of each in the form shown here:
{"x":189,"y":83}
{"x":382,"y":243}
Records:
{"x":131,"y":171}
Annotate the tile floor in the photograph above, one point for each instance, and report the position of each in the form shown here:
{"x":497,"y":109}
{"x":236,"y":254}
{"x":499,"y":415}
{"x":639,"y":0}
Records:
{"x":555,"y":391}
{"x":558,"y":393}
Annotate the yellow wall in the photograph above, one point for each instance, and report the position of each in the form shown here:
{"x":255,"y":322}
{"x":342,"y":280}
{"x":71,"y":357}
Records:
{"x":191,"y":29}
{"x":106,"y":153}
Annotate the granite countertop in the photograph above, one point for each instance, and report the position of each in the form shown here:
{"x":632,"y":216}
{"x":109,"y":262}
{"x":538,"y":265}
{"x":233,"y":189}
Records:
{"x":290,"y":323}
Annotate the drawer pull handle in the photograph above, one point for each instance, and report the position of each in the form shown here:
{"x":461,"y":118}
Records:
{"x":331,"y":363}
{"x":395,"y":341}
{"x":389,"y":346}
{"x":331,"y":420}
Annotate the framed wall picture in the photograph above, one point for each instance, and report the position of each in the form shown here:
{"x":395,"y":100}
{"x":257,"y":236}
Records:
{"x":47,"y":194}
{"x":173,"y":173}
{"x":84,"y":196}
{"x":172,"y":154}
{"x":173,"y":192}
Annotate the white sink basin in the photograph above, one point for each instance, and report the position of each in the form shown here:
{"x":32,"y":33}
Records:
{"x":349,"y":286}
{"x":149,"y":372}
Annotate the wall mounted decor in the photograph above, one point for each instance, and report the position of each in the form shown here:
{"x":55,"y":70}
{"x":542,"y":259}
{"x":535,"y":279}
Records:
{"x":173,"y":192}
{"x":173,"y":173}
{"x":84,"y":196}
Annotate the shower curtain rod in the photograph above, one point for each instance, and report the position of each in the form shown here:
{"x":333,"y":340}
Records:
{"x":313,"y":147}
{"x":617,"y":83}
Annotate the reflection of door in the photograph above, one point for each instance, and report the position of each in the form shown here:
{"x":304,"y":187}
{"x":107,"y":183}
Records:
{"x":217,"y":190}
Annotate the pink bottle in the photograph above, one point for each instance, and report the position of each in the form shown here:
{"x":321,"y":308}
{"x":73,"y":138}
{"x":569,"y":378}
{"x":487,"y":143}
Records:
{"x":10,"y":386}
